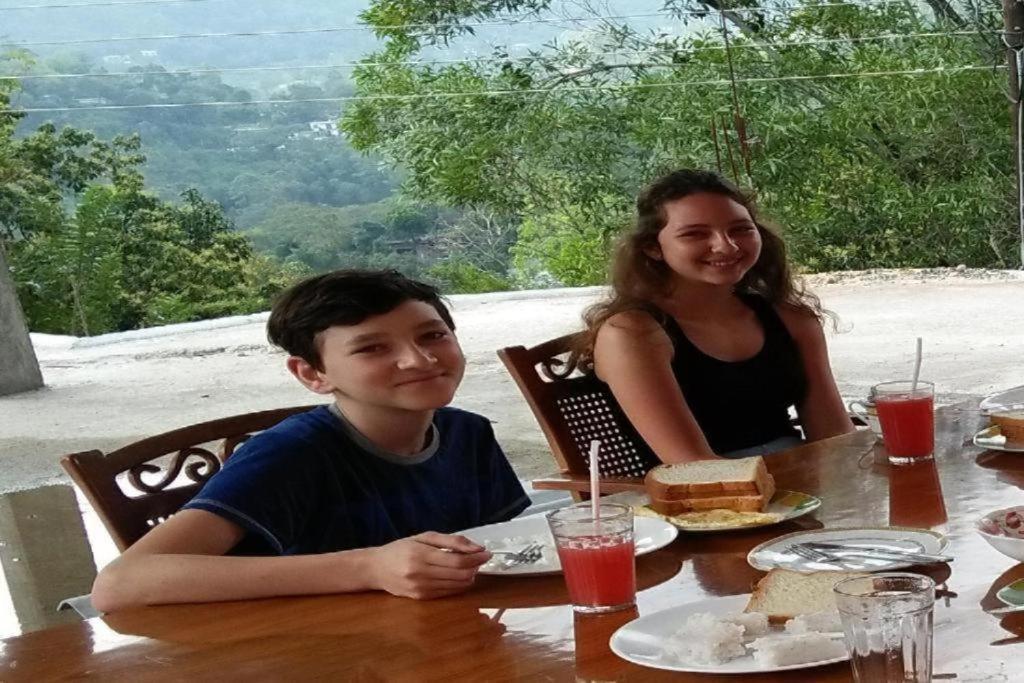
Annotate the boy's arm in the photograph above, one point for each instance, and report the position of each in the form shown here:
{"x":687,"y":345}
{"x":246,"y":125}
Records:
{"x":182,"y":561}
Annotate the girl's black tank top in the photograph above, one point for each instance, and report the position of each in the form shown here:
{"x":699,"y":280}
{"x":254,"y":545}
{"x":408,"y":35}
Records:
{"x":744,"y":403}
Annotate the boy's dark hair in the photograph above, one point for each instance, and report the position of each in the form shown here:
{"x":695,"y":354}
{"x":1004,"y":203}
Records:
{"x":343,"y":297}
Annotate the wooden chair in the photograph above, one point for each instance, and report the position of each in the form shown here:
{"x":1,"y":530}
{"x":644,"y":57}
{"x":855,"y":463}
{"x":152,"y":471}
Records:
{"x":574,"y":410}
{"x":132,"y":494}
{"x":571,"y":412}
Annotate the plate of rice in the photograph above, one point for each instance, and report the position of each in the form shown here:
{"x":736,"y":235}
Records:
{"x":717,"y":636}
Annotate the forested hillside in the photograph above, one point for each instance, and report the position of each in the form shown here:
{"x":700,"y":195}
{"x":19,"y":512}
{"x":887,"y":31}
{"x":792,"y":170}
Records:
{"x":281,"y":171}
{"x":500,"y":142}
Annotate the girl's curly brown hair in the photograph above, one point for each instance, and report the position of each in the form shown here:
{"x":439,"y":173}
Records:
{"x":638,"y":281}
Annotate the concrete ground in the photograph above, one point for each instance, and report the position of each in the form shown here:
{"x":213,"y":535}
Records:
{"x":105,"y":391}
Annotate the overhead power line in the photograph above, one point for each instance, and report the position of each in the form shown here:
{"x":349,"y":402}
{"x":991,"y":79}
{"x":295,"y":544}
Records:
{"x":101,"y":4}
{"x":529,"y":91}
{"x":477,"y":60}
{"x":510,"y":22}
{"x":331,"y":29}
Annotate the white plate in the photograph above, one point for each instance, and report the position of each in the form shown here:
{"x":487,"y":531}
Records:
{"x":1011,"y":399}
{"x":776,"y":553}
{"x":648,"y":535}
{"x":642,"y":641}
{"x":989,"y":438}
{"x":1012,"y":594}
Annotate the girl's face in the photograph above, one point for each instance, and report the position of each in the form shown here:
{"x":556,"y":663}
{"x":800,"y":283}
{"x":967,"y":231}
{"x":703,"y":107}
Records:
{"x":708,"y":238}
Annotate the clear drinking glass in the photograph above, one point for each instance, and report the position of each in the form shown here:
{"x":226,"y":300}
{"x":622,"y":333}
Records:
{"x":887,"y":620}
{"x":597,"y":556}
{"x":906,"y":414}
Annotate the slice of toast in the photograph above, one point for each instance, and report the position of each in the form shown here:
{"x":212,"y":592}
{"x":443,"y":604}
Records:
{"x":1011,"y":424}
{"x":708,"y":478}
{"x":739,"y":503}
{"x":783,"y":594}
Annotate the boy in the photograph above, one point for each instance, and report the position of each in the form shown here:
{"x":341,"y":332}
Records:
{"x":361,"y":494}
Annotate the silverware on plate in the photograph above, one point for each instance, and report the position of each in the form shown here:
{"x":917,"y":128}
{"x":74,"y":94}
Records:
{"x":528,"y":555}
{"x":817,"y":553}
{"x":879,"y":553}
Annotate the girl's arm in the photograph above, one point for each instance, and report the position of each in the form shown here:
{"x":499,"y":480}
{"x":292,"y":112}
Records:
{"x":822,"y":413}
{"x":633,"y":356}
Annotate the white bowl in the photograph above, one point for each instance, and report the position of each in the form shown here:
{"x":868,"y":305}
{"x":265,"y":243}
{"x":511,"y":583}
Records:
{"x":1004,"y":531}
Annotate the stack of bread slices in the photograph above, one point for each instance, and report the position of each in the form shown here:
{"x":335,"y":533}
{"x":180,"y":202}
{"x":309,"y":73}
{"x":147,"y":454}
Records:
{"x":743,"y":485}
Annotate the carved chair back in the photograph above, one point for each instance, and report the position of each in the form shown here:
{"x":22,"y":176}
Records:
{"x":575,"y":409}
{"x":136,"y":487}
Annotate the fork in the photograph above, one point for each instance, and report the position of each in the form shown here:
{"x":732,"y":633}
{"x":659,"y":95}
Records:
{"x":812,"y":554}
{"x":528,"y":555}
{"x":815,"y":555}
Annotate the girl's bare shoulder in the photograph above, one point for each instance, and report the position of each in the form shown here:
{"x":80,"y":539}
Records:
{"x":802,"y":323}
{"x":632,"y":327}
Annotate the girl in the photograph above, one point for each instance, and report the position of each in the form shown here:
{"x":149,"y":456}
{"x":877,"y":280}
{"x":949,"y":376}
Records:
{"x":706,"y":341}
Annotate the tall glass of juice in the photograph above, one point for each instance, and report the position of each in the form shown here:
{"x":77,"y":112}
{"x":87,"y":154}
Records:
{"x":597,"y":555}
{"x":906,"y":413}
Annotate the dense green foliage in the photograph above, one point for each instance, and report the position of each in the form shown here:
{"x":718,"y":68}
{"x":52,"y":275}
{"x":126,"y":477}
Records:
{"x":872,"y":171}
{"x":518,"y":149}
{"x":92,"y":252}
{"x":302,"y":194}
{"x":390,"y":234}
{"x":248,"y":158}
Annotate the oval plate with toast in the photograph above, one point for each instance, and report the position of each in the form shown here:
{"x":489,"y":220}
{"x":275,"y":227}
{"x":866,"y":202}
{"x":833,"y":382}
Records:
{"x":991,"y":439}
{"x":785,"y":505}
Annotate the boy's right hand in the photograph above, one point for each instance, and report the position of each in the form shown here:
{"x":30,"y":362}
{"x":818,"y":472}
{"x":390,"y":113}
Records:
{"x":429,"y":565}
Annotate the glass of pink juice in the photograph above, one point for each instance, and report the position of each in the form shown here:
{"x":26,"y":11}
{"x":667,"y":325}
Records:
{"x":597,"y":556}
{"x":907,"y":416}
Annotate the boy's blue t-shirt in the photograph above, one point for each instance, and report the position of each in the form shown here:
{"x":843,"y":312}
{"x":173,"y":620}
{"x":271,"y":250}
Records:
{"x":314,"y":484}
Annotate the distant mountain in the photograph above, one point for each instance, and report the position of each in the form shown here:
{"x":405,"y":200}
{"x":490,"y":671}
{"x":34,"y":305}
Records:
{"x":210,"y":16}
{"x":20,"y":27}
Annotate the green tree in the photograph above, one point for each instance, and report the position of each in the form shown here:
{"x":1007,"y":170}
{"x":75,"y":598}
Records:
{"x":69,"y":277}
{"x":459,"y":276}
{"x":862,"y":170}
{"x":91,"y":251}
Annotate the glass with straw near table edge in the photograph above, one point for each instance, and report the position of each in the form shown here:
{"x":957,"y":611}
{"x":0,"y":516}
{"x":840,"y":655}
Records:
{"x":595,"y":547}
{"x":906,"y":414}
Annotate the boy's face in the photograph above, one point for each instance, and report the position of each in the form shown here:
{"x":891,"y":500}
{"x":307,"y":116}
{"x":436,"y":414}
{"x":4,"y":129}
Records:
{"x":406,"y":358}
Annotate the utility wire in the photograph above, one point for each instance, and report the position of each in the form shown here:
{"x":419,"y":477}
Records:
{"x":517,"y":22}
{"x":445,"y":62}
{"x":101,"y":4}
{"x":337,"y":29}
{"x":530,"y":91}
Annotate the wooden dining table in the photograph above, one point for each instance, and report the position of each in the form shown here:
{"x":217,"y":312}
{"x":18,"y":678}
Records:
{"x":511,"y":628}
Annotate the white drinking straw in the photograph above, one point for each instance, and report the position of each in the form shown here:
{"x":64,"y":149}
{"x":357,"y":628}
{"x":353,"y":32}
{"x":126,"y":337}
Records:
{"x":917,"y":367}
{"x":595,"y":485}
